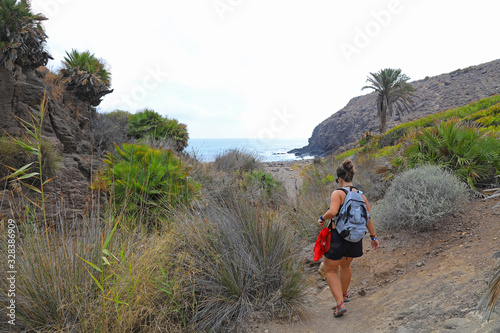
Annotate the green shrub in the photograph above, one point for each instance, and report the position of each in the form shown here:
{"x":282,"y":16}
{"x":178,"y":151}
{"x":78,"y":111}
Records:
{"x":419,"y":198}
{"x":317,"y":177}
{"x":150,"y":123}
{"x":393,"y":136}
{"x":349,"y":153}
{"x":487,"y":117}
{"x":473,"y":154}
{"x":262,"y":186}
{"x":246,"y":262}
{"x":236,"y":160}
{"x":143,"y":179}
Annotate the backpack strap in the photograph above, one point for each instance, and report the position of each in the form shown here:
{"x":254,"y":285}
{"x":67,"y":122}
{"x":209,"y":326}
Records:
{"x":350,"y":189}
{"x":343,"y":189}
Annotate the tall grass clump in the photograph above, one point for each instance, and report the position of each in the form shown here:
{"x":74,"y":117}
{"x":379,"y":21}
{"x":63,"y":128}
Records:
{"x":236,"y":160}
{"x":303,"y":215}
{"x":67,"y":280}
{"x":367,"y":179}
{"x":418,"y":198}
{"x":313,"y":198}
{"x":246,"y":262}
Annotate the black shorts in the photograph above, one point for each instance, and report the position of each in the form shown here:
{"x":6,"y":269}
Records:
{"x":340,"y":248}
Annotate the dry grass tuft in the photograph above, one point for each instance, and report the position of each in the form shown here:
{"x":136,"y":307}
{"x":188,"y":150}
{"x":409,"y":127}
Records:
{"x":140,"y":289}
{"x":245,"y":262}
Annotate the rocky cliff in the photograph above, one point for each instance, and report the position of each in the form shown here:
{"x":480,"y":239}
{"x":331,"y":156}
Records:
{"x":434,"y":94}
{"x":66,"y":127}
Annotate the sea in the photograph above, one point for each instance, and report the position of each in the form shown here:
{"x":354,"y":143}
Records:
{"x":268,"y":150}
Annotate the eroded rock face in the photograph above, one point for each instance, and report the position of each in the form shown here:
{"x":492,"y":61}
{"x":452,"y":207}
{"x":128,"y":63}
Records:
{"x":66,"y":125}
{"x":435,"y":94}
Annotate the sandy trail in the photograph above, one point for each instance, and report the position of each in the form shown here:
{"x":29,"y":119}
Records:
{"x":421,"y":282}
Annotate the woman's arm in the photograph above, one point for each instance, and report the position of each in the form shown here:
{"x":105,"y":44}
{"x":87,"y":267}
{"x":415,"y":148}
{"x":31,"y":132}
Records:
{"x":370,"y":227}
{"x":335,"y":202}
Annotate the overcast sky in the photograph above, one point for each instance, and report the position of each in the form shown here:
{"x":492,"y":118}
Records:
{"x":264,"y":68}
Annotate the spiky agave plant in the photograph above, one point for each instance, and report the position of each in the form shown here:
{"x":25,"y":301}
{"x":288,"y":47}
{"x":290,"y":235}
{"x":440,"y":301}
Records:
{"x":86,"y":75}
{"x":22,"y":38}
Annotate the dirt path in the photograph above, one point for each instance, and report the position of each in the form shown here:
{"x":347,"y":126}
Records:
{"x":423,"y":282}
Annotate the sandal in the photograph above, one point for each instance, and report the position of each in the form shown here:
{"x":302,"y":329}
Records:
{"x":339,"y":310}
{"x":347,"y":297}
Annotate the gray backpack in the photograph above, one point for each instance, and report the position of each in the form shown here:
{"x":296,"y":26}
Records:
{"x":353,"y":216}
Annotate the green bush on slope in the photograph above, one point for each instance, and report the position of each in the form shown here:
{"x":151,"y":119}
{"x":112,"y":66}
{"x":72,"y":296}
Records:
{"x":148,"y":123}
{"x":145,"y":179}
{"x":472,"y":153}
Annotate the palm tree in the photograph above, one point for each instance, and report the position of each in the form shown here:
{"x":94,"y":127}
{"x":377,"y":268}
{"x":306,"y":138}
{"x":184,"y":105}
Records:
{"x":86,"y":75}
{"x":392,"y":89}
{"x":22,"y":38}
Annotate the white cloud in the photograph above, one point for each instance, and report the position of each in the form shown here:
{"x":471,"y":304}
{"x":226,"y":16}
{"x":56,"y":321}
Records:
{"x":227,"y":77}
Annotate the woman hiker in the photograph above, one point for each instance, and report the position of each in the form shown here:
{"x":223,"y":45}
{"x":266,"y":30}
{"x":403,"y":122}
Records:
{"x":337,"y":261}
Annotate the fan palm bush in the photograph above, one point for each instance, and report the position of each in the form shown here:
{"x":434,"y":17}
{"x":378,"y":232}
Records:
{"x":87,"y":75}
{"x":471,"y":152}
{"x":22,"y":38}
{"x":144,"y":180}
{"x":150,"y":124}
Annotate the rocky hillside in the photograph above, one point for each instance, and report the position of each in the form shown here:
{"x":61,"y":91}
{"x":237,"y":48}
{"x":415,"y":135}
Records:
{"x":434,"y":94}
{"x":66,"y":126}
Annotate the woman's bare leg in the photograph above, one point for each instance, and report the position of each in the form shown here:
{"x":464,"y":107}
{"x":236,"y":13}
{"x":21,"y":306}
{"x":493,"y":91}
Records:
{"x":345,"y":274}
{"x":333,"y":279}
